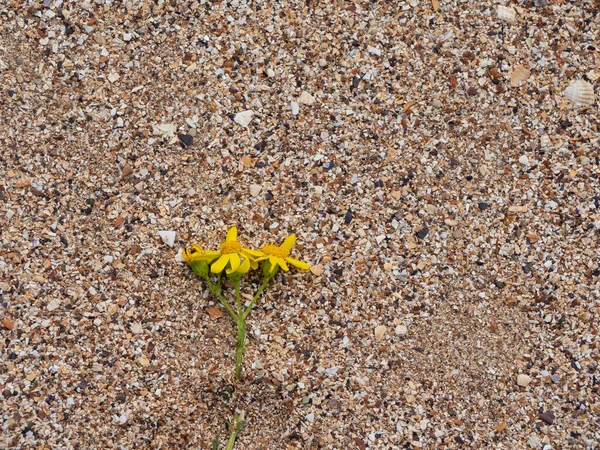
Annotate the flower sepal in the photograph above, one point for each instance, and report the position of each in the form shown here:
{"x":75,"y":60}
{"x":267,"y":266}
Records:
{"x":235,"y":276}
{"x":268,"y":269}
{"x":200,"y":268}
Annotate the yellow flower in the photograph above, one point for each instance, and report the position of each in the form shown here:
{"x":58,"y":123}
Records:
{"x":232,"y":256}
{"x":280,"y":256}
{"x":194,"y":254}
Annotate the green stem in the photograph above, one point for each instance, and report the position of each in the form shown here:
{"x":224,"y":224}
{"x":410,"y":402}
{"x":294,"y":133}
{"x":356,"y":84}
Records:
{"x":262,"y":287}
{"x":235,"y":426}
{"x":238,"y":298}
{"x":216,"y":291}
{"x":240,"y":348}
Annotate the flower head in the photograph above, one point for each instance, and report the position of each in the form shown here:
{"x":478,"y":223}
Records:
{"x":197,"y":259}
{"x":232,"y":257}
{"x":279,"y":256}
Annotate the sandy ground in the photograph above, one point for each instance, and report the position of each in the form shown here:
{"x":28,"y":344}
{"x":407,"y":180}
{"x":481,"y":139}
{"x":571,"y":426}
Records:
{"x":425,"y":153}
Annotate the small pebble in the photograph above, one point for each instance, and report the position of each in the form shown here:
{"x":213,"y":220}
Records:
{"x":422,"y":233}
{"x":547,"y":417}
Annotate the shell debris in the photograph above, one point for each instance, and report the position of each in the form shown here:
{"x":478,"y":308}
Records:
{"x":581,"y":92}
{"x":519,"y":76}
{"x":506,"y":14}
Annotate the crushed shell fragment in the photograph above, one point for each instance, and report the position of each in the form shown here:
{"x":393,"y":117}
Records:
{"x":580,"y":92}
{"x":506,"y":14}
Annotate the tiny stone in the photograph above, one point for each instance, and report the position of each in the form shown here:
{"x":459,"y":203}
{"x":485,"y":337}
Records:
{"x":348,"y":216}
{"x":270,"y":73}
{"x":523,"y":380}
{"x":524,"y":160}
{"x":472,"y":91}
{"x":547,"y":417}
{"x":483,"y":206}
{"x":136,"y":328}
{"x":8,"y":324}
{"x":422,"y":233}
{"x":113,"y":77}
{"x":186,"y":140}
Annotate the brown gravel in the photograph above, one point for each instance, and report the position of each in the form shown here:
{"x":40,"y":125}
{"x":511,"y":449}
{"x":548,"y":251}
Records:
{"x":450,"y":207}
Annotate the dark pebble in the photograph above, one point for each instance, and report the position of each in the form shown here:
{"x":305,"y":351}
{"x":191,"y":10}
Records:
{"x":499,"y":284}
{"x":547,"y":417}
{"x":472,"y":91}
{"x":527,"y":268}
{"x":186,"y":139}
{"x":422,"y":233}
{"x":348,"y":216}
{"x":121,"y":397}
{"x":483,"y":206}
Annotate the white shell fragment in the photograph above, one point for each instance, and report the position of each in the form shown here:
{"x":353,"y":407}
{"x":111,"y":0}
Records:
{"x":507,"y":14}
{"x":168,"y":237}
{"x":113,"y":77}
{"x":523,"y":380}
{"x":544,"y":142}
{"x":295,"y":108}
{"x":519,"y":75}
{"x":580,"y":92}
{"x":244,"y":118}
{"x":380,"y":331}
{"x":306,"y":98}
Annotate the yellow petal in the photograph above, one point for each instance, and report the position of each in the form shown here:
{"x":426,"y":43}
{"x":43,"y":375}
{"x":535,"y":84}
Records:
{"x":288,"y":243}
{"x":234,"y":261}
{"x":273,"y":267}
{"x":197,"y":248}
{"x":244,"y":266}
{"x":282,"y":264}
{"x":253,"y":264}
{"x":299,"y":264}
{"x":206,"y":256}
{"x":219,"y":265}
{"x":252,"y":253}
{"x":231,"y":235}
